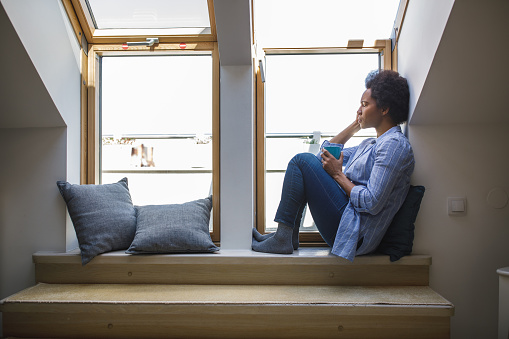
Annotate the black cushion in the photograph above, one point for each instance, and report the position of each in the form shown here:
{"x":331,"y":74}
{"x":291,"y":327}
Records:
{"x":399,"y":238}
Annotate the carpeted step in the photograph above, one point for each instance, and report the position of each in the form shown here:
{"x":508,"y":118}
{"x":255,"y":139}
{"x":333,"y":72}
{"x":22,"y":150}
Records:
{"x":226,"y":311}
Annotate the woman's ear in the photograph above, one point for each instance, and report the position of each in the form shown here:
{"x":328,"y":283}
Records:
{"x":385,"y":111}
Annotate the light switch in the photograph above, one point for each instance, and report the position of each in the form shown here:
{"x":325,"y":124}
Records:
{"x":456,"y":205}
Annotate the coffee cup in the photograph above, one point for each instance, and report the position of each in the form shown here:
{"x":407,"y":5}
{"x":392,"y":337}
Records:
{"x":334,"y":150}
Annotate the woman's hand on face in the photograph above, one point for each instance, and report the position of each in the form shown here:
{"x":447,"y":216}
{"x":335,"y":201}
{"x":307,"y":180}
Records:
{"x":356,"y":125}
{"x":332,"y":165}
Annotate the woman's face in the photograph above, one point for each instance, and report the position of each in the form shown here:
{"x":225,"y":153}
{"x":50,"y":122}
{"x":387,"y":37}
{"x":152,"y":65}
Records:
{"x":369,"y":115}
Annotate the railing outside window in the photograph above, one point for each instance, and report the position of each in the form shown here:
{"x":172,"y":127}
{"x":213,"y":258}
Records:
{"x":161,"y":169}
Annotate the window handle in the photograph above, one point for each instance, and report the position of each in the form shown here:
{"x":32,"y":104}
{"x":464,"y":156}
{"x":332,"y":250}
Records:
{"x":149,"y":42}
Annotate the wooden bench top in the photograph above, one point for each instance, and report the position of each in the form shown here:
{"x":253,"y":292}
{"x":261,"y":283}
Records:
{"x":303,"y":256}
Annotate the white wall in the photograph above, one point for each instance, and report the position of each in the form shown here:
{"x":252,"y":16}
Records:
{"x":459,"y":134}
{"x":39,"y":134}
{"x":467,"y":250}
{"x":32,"y":216}
{"x":30,"y":204}
{"x":47,"y":38}
{"x":41,"y":27}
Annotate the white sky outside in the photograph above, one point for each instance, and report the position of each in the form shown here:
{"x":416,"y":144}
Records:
{"x":157,"y":95}
{"x":306,"y":93}
{"x":322,"y":23}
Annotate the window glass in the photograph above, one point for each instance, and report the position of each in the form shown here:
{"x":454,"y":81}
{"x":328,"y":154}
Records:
{"x":144,"y":14}
{"x":321,"y":23}
{"x":156,"y":126}
{"x":309,"y":98}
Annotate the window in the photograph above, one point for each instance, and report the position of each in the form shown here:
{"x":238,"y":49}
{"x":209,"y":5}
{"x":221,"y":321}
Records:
{"x":305,"y":107}
{"x":150,"y":14}
{"x":104,"y":21}
{"x":153,"y":116}
{"x":311,"y":93}
{"x":186,"y":34}
{"x":323,"y":23}
{"x":156,"y":126}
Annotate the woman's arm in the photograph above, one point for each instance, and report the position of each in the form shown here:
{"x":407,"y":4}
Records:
{"x":334,"y":167}
{"x":347,"y":133}
{"x":393,"y":165}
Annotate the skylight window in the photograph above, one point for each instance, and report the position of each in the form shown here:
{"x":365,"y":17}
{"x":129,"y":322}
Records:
{"x":118,"y":21}
{"x":142,"y":14}
{"x":322,"y":23}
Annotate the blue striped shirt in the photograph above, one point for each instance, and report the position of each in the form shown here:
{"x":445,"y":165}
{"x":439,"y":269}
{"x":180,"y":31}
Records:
{"x":381,"y":169}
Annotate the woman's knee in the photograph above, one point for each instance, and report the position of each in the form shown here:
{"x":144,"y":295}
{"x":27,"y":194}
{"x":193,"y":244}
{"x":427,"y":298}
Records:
{"x":304,"y":158}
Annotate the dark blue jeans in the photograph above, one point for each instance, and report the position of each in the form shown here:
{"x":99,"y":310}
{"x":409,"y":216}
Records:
{"x":307,"y":182}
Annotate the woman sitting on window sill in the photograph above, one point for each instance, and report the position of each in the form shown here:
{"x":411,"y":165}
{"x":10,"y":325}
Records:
{"x":352,"y":208}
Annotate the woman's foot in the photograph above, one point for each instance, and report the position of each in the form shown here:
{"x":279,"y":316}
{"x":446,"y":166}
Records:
{"x":262,"y":237}
{"x":280,"y":242}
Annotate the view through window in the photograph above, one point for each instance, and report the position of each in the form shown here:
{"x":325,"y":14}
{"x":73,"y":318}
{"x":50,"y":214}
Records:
{"x":309,"y":98}
{"x":156,"y":126}
{"x":321,"y":23}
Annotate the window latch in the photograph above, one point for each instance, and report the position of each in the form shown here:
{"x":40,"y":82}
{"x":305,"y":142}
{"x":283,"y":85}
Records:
{"x":149,"y":42}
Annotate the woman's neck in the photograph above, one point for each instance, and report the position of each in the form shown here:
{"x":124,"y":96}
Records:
{"x":384,"y":127}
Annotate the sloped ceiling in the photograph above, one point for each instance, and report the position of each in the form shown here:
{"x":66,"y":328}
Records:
{"x":24,"y":100}
{"x":467,"y":81}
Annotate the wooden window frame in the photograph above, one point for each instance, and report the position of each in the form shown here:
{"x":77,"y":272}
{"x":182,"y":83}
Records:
{"x":93,"y":46}
{"x":109,"y":36}
{"x":354,"y":46}
{"x":98,"y":50}
{"x":396,"y":31}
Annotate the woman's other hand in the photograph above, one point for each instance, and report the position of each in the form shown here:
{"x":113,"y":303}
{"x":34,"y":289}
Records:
{"x":334,"y":167}
{"x":347,"y":133}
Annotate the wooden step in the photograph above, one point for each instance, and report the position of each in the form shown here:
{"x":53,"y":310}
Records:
{"x":307,"y":266}
{"x":226,"y":311}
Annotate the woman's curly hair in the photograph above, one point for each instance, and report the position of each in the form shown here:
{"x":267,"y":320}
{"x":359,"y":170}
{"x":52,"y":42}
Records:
{"x":390,"y":90}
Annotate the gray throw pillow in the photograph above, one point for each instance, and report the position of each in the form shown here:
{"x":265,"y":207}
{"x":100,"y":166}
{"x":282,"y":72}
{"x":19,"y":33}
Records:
{"x":103,"y":216}
{"x":176,"y":228}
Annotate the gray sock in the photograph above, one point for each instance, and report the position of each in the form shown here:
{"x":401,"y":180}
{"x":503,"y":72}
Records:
{"x":262,"y":237}
{"x":280,"y":242}
{"x":295,"y":238}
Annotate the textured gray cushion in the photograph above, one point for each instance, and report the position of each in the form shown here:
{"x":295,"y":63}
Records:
{"x":176,"y":228}
{"x":103,"y":216}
